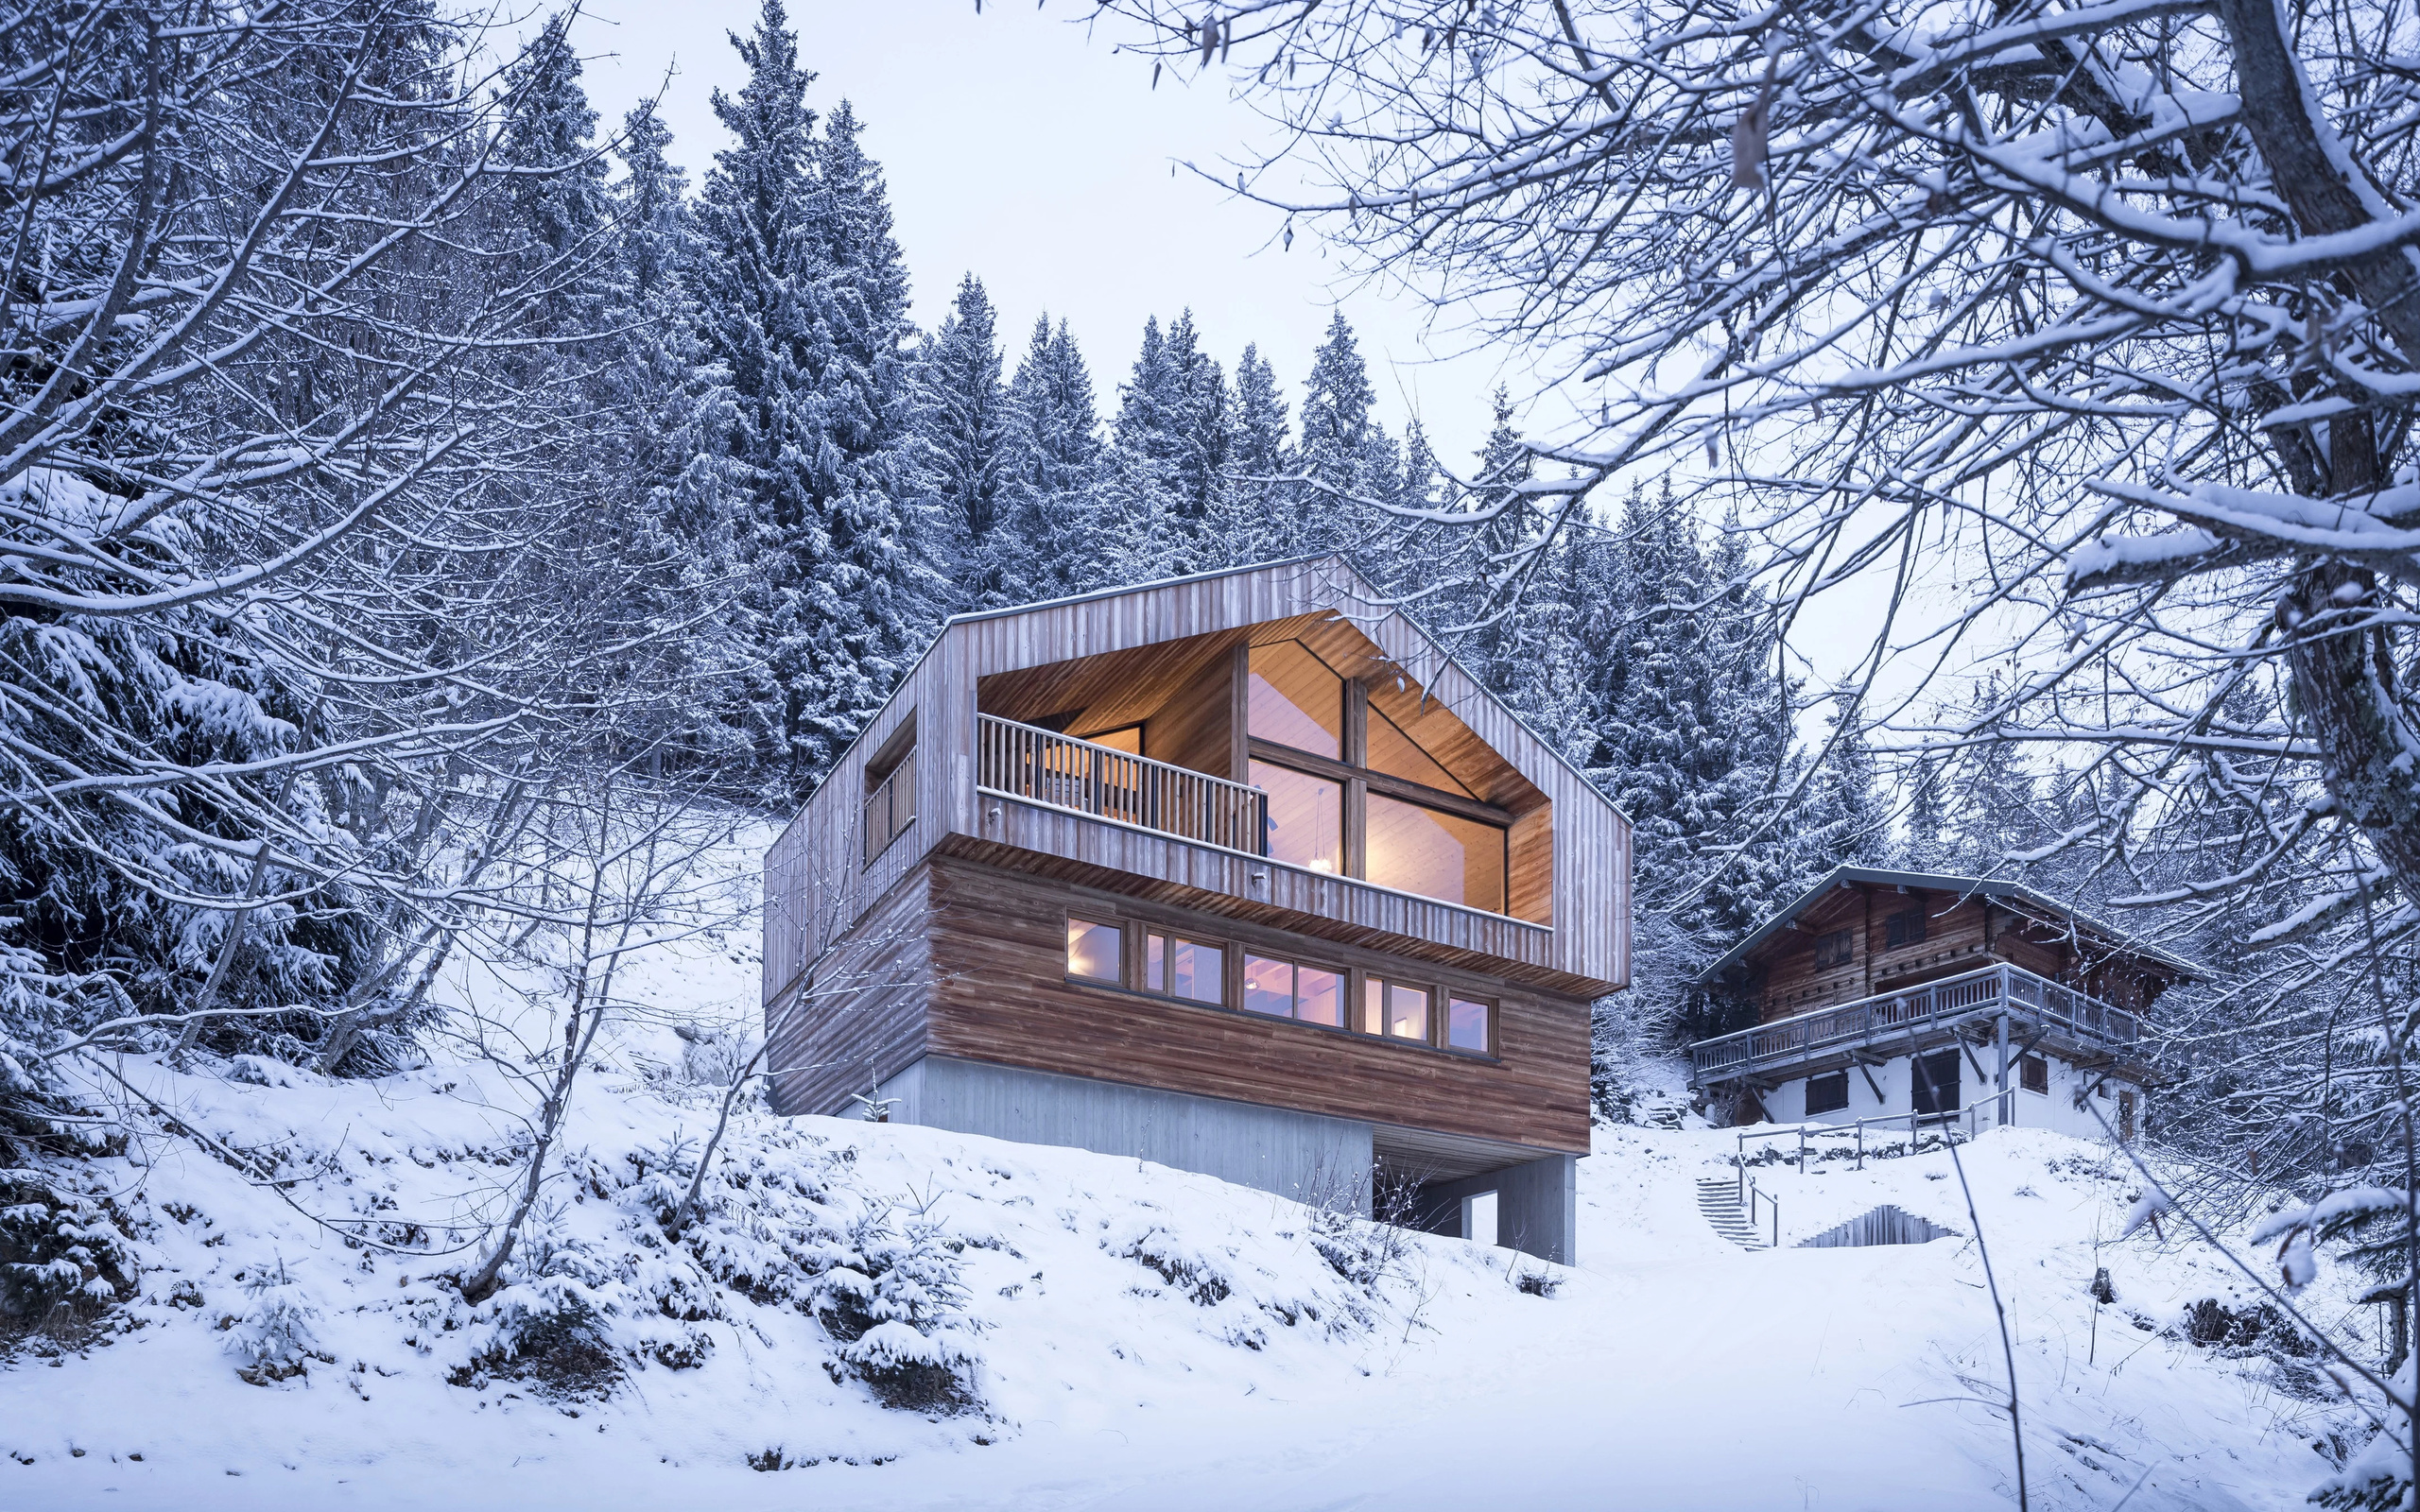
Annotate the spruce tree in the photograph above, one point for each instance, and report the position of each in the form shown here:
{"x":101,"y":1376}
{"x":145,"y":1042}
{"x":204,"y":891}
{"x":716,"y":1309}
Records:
{"x":1052,"y":494}
{"x":802,"y":298}
{"x":1143,"y":484}
{"x":1251,"y":521}
{"x":963,"y":446}
{"x":1345,"y":457}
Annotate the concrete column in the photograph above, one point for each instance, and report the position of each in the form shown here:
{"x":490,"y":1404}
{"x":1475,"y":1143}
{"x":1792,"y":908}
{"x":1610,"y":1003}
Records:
{"x":1537,"y":1206}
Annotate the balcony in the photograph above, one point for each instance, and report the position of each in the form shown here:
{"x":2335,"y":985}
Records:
{"x":1023,"y":761}
{"x":1894,"y":1021}
{"x":1043,"y":770}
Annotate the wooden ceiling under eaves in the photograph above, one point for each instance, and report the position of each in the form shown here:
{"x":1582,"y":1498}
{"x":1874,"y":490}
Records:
{"x":1088,"y":695}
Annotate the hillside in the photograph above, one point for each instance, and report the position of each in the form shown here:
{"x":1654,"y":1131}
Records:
{"x":1137,"y":1336}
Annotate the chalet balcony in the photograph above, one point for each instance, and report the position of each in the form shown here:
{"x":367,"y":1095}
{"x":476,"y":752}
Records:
{"x":1891,"y":1022}
{"x":1020,"y":761}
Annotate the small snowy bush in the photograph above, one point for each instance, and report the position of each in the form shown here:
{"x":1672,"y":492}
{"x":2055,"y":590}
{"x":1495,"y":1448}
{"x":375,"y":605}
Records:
{"x":274,"y":1337}
{"x":1199,"y":1275}
{"x":895,"y":1305}
{"x":62,"y":1261}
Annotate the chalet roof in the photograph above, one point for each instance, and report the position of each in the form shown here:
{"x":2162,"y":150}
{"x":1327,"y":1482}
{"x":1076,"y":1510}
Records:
{"x":2000,"y":890}
{"x":1121,"y":590}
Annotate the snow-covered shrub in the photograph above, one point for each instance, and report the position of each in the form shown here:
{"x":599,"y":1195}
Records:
{"x":895,"y":1306}
{"x":1360,"y":1252}
{"x":549,"y":1335}
{"x":711,"y":1057}
{"x":62,"y":1261}
{"x":1196,"y":1274}
{"x":274,"y":1337}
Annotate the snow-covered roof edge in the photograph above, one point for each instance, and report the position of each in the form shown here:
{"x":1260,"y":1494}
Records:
{"x":1942,"y":881}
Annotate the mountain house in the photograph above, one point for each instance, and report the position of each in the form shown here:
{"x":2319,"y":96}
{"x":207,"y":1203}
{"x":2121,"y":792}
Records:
{"x":1236,"y":872}
{"x":1902,"y":995}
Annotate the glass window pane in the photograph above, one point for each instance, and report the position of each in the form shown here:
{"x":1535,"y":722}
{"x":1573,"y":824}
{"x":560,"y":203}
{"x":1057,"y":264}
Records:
{"x":1305,"y":817}
{"x":1092,"y":950}
{"x":1392,"y":752}
{"x":1374,"y":1006}
{"x":1466,"y":1025}
{"x":1155,"y":963}
{"x":1295,"y":700}
{"x":1268,"y":987}
{"x":1406,"y":1011}
{"x":1319,"y":997}
{"x":1435,"y":854}
{"x":1197,"y":971}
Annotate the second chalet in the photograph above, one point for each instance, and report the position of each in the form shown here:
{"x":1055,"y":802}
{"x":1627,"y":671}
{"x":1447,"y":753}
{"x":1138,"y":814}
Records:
{"x":1899,"y":995}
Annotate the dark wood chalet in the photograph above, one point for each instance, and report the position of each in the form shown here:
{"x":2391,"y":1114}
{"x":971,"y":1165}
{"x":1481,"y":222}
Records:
{"x":1236,"y":872}
{"x":1899,"y":995}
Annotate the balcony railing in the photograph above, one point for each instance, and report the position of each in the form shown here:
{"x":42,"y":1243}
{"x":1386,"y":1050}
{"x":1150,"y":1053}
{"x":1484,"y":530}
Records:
{"x":1023,"y":761}
{"x":1895,"y":1014}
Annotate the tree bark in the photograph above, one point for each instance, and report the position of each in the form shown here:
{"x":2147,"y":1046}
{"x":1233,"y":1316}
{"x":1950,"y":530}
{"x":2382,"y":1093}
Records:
{"x":2341,"y":660}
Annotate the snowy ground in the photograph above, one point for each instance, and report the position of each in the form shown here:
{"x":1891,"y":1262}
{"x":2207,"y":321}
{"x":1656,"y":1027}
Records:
{"x":1145,"y":1338}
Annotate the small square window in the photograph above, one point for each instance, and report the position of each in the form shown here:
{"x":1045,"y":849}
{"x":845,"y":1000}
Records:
{"x":1904,"y":928}
{"x":1827,"y":1094}
{"x":1832,"y":949}
{"x":2033,"y":1073}
{"x":1268,"y":987}
{"x":1466,"y":1025}
{"x":1185,"y":968}
{"x":1285,"y":990}
{"x":1093,"y":951}
{"x":1394,"y":1009}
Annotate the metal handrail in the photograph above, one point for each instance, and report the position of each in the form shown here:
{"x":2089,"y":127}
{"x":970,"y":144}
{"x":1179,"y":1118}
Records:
{"x":1931,"y":1003}
{"x":1804,"y":1131}
{"x":1042,"y":766}
{"x":1749,"y":1194}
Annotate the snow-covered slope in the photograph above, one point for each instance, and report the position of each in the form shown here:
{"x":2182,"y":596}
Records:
{"x":1137,"y":1337}
{"x":1146,"y":1338}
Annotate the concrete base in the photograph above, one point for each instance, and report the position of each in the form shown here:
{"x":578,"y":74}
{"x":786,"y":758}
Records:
{"x":1323,"y":1162}
{"x":1537,"y":1207}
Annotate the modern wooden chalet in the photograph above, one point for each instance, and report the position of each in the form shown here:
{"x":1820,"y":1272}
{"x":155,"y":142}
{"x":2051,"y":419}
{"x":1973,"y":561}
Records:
{"x":1239,"y":873}
{"x":1908,"y":996}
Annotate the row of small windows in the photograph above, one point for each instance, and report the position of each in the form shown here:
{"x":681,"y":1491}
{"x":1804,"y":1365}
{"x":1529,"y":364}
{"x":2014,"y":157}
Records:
{"x":1194,"y":971}
{"x":1836,"y":947}
{"x":1936,"y":1089}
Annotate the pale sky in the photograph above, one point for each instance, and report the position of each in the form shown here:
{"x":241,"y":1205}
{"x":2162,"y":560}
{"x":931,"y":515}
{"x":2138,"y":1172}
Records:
{"x":1020,"y":149}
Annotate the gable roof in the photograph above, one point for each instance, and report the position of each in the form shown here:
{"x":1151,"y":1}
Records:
{"x":1353,"y":585}
{"x":1998,"y":890}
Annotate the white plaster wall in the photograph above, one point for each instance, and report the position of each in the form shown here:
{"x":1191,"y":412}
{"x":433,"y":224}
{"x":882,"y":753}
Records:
{"x":2054,"y":1109}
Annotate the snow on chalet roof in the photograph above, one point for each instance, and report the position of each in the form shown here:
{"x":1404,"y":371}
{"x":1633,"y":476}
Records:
{"x":1997,"y":890}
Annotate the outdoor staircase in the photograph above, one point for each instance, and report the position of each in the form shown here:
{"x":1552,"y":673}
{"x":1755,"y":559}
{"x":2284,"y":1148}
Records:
{"x":1718,"y":1199}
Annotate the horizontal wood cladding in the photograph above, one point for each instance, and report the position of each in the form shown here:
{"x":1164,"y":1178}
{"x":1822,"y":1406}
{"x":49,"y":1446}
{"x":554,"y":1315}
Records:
{"x":859,"y":1018}
{"x":1113,"y":858}
{"x":1962,"y":932}
{"x":1001,"y":995}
